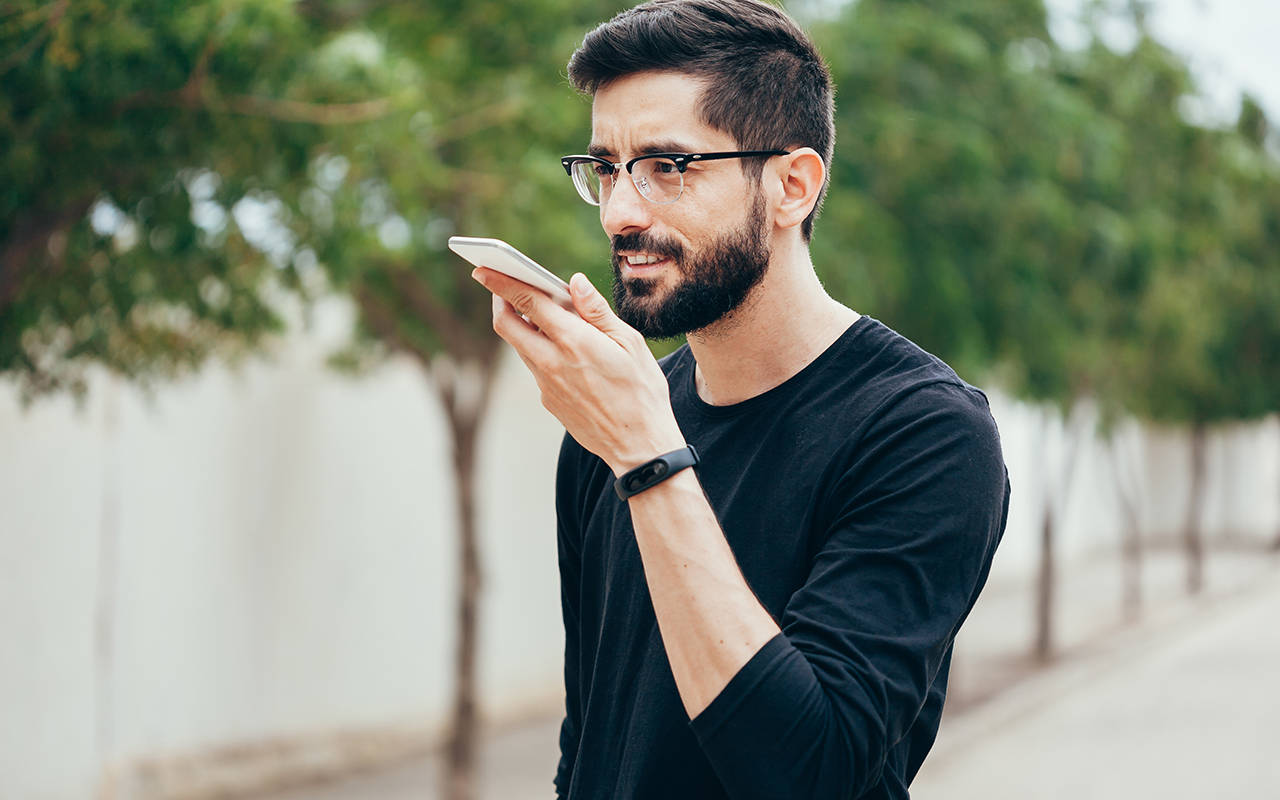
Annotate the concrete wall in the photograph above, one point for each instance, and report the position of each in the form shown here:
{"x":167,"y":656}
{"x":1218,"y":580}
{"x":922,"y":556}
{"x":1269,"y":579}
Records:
{"x":248,"y":578}
{"x":262,"y":558}
{"x":1152,"y":466}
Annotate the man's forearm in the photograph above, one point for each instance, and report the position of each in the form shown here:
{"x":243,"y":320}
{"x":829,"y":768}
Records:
{"x":711,"y":622}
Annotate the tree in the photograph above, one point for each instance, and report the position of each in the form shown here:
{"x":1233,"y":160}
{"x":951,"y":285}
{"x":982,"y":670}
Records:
{"x":1017,"y":209}
{"x":169,"y":173}
{"x":156,"y":122}
{"x":129,"y":131}
{"x":1197,"y":343}
{"x":954,"y":213}
{"x":478,"y":155}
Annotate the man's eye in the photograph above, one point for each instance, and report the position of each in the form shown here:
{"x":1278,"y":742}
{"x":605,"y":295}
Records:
{"x":603,"y":171}
{"x":665,"y":167}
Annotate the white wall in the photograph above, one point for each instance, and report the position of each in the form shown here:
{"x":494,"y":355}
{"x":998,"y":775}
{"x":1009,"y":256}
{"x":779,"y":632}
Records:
{"x":274,"y":552}
{"x":262,"y":562}
{"x":1242,"y":488}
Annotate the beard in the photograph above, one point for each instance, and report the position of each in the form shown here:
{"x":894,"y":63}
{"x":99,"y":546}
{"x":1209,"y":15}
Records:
{"x":711,"y":284}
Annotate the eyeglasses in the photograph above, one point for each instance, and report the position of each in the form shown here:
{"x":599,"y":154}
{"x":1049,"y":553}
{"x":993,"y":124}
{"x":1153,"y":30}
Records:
{"x":659,"y":177}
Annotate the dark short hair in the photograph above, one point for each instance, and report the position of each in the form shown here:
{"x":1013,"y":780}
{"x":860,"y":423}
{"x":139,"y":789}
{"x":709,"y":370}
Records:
{"x":767,"y":85}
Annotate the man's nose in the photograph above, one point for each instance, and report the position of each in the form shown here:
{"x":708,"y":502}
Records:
{"x":626,"y":210}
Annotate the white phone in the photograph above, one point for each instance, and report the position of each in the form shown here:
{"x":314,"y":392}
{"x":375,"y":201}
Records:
{"x":498,"y":255}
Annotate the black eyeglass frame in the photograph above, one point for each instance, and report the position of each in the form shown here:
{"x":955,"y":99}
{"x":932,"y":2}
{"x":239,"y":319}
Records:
{"x":681,"y":160}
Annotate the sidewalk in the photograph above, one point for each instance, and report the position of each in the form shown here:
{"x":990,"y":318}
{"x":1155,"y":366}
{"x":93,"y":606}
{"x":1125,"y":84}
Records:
{"x":517,"y":763}
{"x":1182,"y":711}
{"x":1181,"y":703}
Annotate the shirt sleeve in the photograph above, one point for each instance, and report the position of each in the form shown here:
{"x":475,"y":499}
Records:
{"x":911,"y":524}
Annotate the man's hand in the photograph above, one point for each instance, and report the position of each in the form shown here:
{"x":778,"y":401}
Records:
{"x":595,"y":372}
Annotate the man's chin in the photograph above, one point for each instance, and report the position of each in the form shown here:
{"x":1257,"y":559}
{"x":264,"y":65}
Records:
{"x":639,"y":302}
{"x":640,"y":287}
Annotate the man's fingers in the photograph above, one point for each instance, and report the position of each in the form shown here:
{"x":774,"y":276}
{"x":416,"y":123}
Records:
{"x":595,"y":309}
{"x":592,"y":306}
{"x":520,"y":333}
{"x":546,"y":326}
{"x":528,"y":302}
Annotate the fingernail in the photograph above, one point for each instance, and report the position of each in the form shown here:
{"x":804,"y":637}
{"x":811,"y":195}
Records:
{"x":581,"y":286}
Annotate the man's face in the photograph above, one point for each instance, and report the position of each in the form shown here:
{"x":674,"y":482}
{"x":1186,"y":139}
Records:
{"x":681,"y":267}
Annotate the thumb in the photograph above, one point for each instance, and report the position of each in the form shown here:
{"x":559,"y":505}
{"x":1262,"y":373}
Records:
{"x":591,"y":305}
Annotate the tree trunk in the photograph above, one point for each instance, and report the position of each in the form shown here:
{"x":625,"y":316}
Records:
{"x":1131,"y":556}
{"x":1055,"y":502}
{"x":1045,"y":588}
{"x":1192,"y":537}
{"x":1275,"y":545}
{"x":465,"y":391}
{"x":30,"y":235}
{"x":1131,"y":537}
{"x":463,"y":375}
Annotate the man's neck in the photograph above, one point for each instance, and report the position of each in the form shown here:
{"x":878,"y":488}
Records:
{"x":784,"y":325}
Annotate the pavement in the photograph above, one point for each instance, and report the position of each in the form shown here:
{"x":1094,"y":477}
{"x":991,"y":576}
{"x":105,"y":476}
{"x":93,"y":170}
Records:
{"x":1186,"y":708}
{"x":517,"y":762}
{"x":1178,"y":702}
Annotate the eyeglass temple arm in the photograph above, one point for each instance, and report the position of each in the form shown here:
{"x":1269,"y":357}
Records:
{"x":682,"y":160}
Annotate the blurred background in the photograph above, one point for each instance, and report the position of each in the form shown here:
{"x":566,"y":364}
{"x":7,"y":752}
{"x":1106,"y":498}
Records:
{"x":276,"y":505}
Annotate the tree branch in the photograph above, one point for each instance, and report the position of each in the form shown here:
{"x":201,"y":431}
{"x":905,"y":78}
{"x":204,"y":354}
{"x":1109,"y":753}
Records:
{"x":412,"y":297}
{"x":478,"y":120}
{"x":254,"y":106}
{"x":314,"y":113}
{"x":193,"y":91}
{"x":195,"y":95}
{"x":422,"y":303}
{"x":28,"y":235}
{"x":56,"y":10}
{"x":381,"y":319}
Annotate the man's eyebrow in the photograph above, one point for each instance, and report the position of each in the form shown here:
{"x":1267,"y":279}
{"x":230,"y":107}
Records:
{"x":667,"y":146}
{"x":663,"y":146}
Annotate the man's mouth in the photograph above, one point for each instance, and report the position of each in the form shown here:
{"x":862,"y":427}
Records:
{"x":643,"y":259}
{"x":641,"y":265}
{"x":638,"y":256}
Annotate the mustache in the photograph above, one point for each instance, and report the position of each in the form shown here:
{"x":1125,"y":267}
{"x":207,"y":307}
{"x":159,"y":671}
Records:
{"x":648,"y":243}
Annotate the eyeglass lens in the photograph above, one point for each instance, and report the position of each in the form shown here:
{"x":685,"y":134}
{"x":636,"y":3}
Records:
{"x":657,"y":179}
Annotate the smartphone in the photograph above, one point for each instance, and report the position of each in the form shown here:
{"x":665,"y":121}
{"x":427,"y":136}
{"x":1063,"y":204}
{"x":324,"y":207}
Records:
{"x":498,"y":255}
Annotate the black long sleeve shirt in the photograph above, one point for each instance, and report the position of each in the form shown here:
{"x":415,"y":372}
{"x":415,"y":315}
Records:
{"x":863,"y":500}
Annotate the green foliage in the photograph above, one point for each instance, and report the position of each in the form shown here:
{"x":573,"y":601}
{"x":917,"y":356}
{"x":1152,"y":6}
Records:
{"x":1046,"y":219}
{"x":150,"y":119}
{"x":1050,"y":220}
{"x":169,"y":171}
{"x":476,"y":152}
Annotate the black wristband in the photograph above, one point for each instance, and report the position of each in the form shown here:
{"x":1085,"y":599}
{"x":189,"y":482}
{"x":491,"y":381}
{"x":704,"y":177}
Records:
{"x":652,"y":473}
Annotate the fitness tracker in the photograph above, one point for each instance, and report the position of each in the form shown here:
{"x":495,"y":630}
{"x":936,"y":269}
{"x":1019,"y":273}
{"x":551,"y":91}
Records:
{"x":652,"y":473}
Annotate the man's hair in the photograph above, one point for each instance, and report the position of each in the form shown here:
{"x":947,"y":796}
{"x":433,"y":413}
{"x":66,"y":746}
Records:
{"x":766,"y":84}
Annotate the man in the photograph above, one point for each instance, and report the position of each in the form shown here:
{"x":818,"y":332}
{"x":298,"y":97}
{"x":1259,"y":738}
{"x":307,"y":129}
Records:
{"x":777,"y":621}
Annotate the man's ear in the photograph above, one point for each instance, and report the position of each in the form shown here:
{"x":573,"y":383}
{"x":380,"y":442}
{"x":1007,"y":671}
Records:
{"x":800,"y":176}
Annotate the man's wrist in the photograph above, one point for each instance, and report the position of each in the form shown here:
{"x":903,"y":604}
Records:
{"x":655,"y":471}
{"x":642,"y":447}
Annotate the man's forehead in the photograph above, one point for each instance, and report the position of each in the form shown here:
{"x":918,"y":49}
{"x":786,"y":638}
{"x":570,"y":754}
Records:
{"x":651,"y":112}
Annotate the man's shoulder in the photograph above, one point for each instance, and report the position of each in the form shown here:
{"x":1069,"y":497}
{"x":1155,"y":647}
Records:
{"x":881,"y":379}
{"x":882,"y":362}
{"x":893,"y":356}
